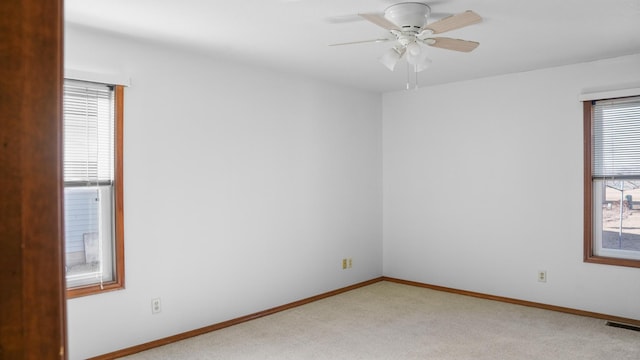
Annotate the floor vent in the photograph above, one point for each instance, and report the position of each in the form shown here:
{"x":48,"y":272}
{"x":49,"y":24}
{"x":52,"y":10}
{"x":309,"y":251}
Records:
{"x":623,"y":326}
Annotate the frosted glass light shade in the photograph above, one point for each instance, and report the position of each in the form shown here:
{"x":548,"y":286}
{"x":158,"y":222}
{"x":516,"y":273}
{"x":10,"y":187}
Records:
{"x":417,"y":56}
{"x":414,"y":53}
{"x":390,"y":58}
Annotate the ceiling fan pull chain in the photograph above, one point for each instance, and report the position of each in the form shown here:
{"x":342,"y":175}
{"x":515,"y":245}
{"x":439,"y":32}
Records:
{"x":408,"y":75}
{"x":412,"y":69}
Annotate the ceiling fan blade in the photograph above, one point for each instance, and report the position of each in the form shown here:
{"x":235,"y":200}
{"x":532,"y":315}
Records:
{"x":452,"y":44}
{"x":361,"y":42}
{"x":453,"y":22}
{"x":380,"y":21}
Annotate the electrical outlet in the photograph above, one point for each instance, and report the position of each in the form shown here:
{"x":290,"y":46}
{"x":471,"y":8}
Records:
{"x":344,"y":263}
{"x":542,"y":275}
{"x":156,"y":306}
{"x":350,"y":265}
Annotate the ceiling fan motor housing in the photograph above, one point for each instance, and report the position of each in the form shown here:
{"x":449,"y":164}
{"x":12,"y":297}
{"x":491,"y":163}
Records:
{"x":408,"y":16}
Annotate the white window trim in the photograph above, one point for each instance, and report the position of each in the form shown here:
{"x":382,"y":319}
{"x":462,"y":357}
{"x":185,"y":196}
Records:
{"x":102,"y":78}
{"x":609,"y":94}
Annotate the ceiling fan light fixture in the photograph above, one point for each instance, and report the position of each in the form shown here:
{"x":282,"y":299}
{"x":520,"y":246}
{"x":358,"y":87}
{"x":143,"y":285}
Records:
{"x":417,"y":56}
{"x":390,"y":58}
{"x":414,"y":49}
{"x":414,"y":53}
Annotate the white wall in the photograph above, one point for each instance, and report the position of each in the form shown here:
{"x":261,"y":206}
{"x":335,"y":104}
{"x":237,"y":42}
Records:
{"x":483,"y":187}
{"x":244,"y":189}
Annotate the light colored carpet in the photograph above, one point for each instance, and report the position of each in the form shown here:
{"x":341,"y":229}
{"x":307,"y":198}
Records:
{"x":393,"y":321}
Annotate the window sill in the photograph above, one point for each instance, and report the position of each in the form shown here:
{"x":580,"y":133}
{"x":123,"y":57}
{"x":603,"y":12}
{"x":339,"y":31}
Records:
{"x":611,"y":261}
{"x":94,"y":289}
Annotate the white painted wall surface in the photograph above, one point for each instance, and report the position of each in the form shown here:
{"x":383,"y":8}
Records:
{"x":483,"y":187}
{"x":243,"y":190}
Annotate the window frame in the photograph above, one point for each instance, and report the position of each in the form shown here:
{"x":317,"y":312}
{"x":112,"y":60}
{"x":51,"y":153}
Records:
{"x":589,"y":254}
{"x":118,"y":282}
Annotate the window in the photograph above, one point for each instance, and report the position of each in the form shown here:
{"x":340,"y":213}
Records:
{"x":612,"y":181}
{"x":93,"y":211}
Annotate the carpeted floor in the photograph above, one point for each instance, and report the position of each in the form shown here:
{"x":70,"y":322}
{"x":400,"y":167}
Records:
{"x":393,"y":321}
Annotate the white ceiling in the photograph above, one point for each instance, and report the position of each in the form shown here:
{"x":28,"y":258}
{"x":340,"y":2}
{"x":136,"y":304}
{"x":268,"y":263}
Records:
{"x":293,"y":35}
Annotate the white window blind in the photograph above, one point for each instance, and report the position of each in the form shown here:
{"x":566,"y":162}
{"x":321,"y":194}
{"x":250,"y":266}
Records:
{"x":616,"y":138}
{"x":88,"y":133}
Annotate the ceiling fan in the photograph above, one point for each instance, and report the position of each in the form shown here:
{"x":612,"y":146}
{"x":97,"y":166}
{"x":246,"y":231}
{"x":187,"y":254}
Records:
{"x":407,"y":22}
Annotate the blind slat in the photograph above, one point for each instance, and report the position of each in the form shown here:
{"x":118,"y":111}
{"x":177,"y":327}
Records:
{"x":616,"y":138}
{"x":88,"y":132}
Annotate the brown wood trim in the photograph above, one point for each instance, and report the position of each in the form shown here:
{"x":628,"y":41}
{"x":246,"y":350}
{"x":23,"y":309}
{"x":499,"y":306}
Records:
{"x":595,"y":259}
{"x":517,"y":301}
{"x":224,"y":324}
{"x":32,"y":303}
{"x":588,"y":190}
{"x":589,"y":256}
{"x":92,"y":289}
{"x":119,"y":185}
{"x":118,"y":282}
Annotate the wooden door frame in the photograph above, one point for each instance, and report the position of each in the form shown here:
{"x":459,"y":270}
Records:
{"x":32,"y":295}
